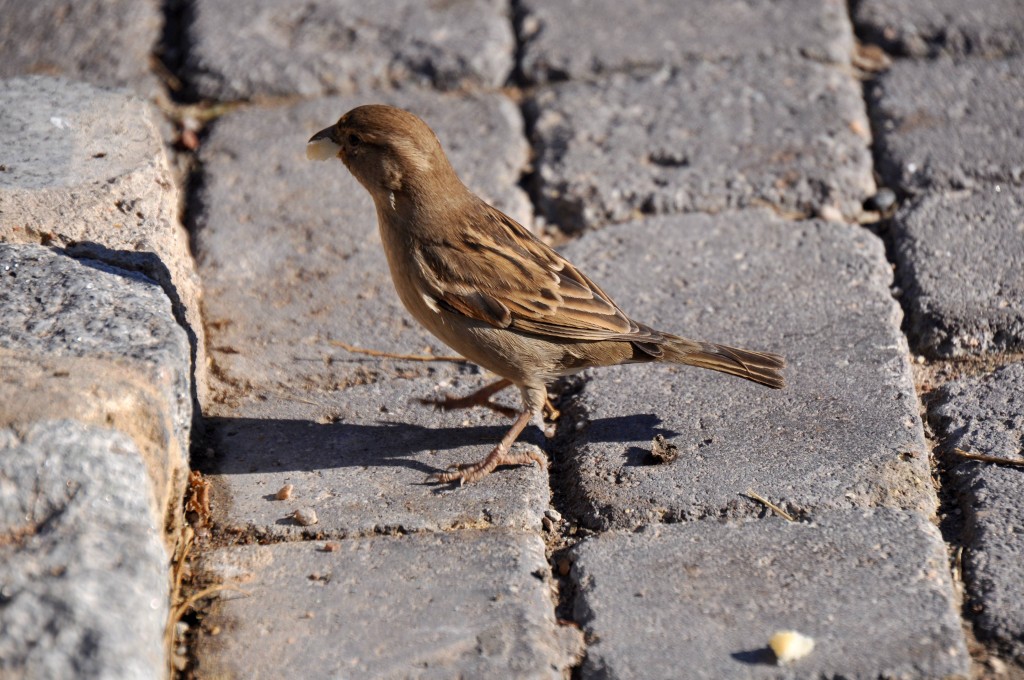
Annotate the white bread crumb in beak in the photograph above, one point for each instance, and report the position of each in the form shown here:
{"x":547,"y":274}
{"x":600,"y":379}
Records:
{"x":321,"y":150}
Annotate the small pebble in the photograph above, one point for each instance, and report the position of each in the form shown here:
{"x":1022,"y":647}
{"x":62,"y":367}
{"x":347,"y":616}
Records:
{"x":331,"y":546}
{"x":305,"y":517}
{"x":563,"y":566}
{"x":553,"y":515}
{"x":284,"y":493}
{"x":830,"y":213}
{"x":883,"y":200}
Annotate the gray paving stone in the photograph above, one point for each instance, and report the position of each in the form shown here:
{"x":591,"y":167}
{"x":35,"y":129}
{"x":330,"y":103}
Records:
{"x":701,"y":599}
{"x":949,"y":124}
{"x":925,"y":29}
{"x":312,"y":270}
{"x":261,"y":48}
{"x":788,"y":133}
{"x":82,"y":340}
{"x":104,"y":42}
{"x":83,"y":576}
{"x":960,"y":264}
{"x":986,"y":415}
{"x":845,"y":431}
{"x":85,"y":168}
{"x":360,"y":458}
{"x":576,"y":39}
{"x":467,"y":604}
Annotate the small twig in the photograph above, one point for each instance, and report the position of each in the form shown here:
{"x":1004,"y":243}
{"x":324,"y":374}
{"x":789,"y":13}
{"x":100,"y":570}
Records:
{"x":180,"y":610}
{"x":771,"y":506}
{"x":392,"y":355}
{"x":988,"y":459}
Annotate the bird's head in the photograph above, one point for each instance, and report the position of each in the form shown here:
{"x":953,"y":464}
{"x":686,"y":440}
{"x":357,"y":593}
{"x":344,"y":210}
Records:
{"x":387,"y":149}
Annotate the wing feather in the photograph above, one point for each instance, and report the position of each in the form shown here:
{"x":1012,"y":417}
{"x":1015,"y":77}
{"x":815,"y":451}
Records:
{"x":502,"y":275}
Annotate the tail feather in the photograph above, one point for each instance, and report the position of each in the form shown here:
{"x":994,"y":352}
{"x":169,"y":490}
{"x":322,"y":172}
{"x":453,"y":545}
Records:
{"x":760,"y":367}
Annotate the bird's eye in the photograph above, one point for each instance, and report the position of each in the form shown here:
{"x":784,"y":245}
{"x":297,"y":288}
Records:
{"x":354,"y":140}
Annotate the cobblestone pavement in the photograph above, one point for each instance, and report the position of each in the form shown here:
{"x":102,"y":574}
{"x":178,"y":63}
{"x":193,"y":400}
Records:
{"x":182,"y":291}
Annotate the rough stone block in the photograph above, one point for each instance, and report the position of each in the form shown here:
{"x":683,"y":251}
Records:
{"x":263,"y":48}
{"x":85,"y":169}
{"x":960,"y":264}
{"x":986,"y":416}
{"x":787,"y":133}
{"x":104,"y":42}
{"x":949,"y":124}
{"x":312,"y":270}
{"x":578,"y":39}
{"x":469,"y":604}
{"x":82,"y":568}
{"x":82,"y":340}
{"x":359,"y":458}
{"x":844,"y":432}
{"x":701,"y":599}
{"x":990,"y":28}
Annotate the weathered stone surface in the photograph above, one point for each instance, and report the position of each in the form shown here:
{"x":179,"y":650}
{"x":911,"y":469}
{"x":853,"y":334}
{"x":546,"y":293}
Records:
{"x":82,"y":340}
{"x":701,"y":599}
{"x":312,"y":270}
{"x":950,"y":124}
{"x":844,"y":432}
{"x":960,"y":263}
{"x":925,"y":29}
{"x":360,"y":459}
{"x":85,"y":168}
{"x":580,"y":39}
{"x":730,"y":134}
{"x":242,"y":50}
{"x":83,"y":576}
{"x":468,"y":604}
{"x":986,"y":416}
{"x":104,"y":42}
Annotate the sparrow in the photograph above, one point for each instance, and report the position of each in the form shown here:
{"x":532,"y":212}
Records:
{"x":491,"y":290}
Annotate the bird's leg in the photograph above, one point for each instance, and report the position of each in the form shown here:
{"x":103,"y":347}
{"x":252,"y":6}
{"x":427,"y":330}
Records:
{"x":499,"y":455}
{"x":482,"y":397}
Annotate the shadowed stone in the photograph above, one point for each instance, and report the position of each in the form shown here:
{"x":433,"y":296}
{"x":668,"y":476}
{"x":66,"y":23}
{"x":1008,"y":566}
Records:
{"x":944,"y":124}
{"x":468,"y":604}
{"x":702,"y":599}
{"x":790,"y":134}
{"x":344,"y":46}
{"x":574,"y":40}
{"x":960,"y":263}
{"x":844,"y":432}
{"x":986,"y":416}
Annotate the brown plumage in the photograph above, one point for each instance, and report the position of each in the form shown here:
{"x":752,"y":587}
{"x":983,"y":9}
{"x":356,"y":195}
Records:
{"x":489,"y":288}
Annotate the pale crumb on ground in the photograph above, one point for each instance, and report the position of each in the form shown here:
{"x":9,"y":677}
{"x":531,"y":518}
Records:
{"x":284,"y":493}
{"x":790,"y":645}
{"x":305,"y":516}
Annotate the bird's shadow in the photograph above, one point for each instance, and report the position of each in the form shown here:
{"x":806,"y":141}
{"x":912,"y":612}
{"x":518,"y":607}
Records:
{"x":260,"y":445}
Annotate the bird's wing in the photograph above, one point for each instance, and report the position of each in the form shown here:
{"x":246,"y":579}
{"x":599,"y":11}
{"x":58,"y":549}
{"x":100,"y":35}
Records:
{"x":501,"y":274}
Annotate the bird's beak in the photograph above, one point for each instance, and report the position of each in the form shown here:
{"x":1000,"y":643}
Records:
{"x":322,"y":147}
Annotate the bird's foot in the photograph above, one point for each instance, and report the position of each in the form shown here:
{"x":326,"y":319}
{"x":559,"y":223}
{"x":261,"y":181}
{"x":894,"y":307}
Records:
{"x":481,"y":397}
{"x":465,"y":473}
